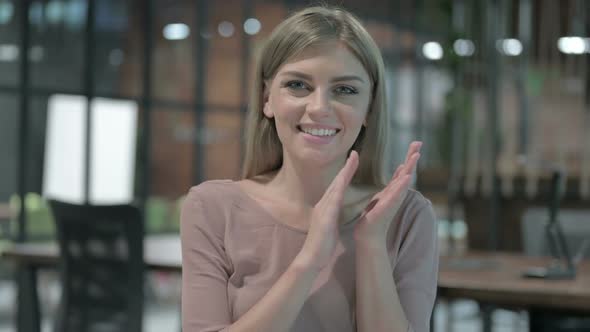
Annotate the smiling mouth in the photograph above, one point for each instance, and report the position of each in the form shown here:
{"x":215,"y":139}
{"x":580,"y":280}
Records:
{"x":319,"y":132}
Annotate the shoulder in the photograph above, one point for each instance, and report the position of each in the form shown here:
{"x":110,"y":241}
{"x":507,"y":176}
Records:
{"x":415,"y":237}
{"x":208,"y":201}
{"x":212,"y":193}
{"x":211,"y":188}
{"x":415,"y":255}
{"x":415,"y":202}
{"x":416,"y":214}
{"x":220,"y":206}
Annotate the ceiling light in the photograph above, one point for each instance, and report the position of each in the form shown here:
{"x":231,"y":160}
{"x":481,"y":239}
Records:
{"x":252,"y":26}
{"x":176,"y":31}
{"x":432,"y":50}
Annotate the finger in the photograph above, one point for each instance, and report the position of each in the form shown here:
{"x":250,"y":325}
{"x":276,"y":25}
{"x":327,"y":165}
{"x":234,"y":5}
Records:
{"x":344,"y":177}
{"x":369,"y":207}
{"x":414,"y":147}
{"x":411,"y":165}
{"x":398,"y":171}
{"x":407,"y":168}
{"x":401,"y":187}
{"x":335,"y":191}
{"x":401,"y":170}
{"x":389,"y":199}
{"x":337,"y":177}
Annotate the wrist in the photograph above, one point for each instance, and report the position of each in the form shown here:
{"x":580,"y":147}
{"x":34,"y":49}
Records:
{"x":373,"y":245}
{"x":367,"y":236}
{"x":304,"y":264}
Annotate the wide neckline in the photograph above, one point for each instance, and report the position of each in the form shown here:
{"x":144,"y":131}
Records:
{"x":261,"y":208}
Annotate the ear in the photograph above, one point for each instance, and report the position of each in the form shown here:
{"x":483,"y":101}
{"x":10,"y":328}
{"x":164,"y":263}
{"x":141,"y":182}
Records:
{"x":267,"y":111}
{"x":265,"y":100}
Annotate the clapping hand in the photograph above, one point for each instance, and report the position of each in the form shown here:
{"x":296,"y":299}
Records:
{"x":323,"y":235}
{"x":375,"y":219}
{"x":377,"y":216}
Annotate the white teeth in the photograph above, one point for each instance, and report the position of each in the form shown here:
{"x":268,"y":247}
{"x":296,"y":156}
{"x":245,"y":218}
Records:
{"x":320,"y":132}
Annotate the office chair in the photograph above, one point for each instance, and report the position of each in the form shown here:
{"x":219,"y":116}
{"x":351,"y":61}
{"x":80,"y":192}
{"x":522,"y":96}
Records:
{"x":563,"y":234}
{"x":101,"y":267}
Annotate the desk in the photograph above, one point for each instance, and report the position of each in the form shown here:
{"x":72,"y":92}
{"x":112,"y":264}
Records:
{"x":495,"y":279}
{"x":491,"y":278}
{"x":161,"y":253}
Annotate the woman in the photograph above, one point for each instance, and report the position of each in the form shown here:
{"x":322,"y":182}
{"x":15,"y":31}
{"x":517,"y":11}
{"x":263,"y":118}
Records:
{"x":313,"y":238}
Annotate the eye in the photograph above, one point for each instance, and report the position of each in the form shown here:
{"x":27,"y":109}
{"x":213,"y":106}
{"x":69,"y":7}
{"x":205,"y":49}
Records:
{"x":296,"y":85}
{"x":346,"y":90}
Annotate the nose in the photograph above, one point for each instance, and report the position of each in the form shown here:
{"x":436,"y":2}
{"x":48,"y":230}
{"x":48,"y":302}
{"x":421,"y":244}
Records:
{"x":319,"y":104}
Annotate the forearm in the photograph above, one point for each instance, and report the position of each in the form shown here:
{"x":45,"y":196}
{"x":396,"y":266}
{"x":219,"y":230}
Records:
{"x":378,"y":307}
{"x":279,"y":307}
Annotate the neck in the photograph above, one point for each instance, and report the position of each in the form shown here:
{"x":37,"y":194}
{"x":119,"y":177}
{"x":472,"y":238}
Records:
{"x":305,"y":183}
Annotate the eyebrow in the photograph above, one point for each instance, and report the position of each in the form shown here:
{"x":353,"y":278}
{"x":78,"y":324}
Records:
{"x":335,"y":79}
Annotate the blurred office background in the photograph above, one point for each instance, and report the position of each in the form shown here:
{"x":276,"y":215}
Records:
{"x":498,"y":90}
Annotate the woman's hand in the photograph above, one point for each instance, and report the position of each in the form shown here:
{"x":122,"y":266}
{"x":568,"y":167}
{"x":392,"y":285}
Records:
{"x":375,"y":220}
{"x":323,"y":236}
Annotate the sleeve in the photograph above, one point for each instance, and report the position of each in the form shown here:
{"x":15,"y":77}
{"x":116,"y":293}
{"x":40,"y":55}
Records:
{"x":416,"y":269}
{"x":205,"y":268}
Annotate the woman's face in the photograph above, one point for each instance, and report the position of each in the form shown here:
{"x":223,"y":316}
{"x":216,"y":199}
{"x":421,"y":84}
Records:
{"x":319,"y":101}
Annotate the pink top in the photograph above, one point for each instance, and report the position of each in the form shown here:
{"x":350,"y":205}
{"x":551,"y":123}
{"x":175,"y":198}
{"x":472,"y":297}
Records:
{"x":233,"y":251}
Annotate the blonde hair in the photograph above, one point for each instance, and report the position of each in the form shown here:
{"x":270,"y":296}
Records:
{"x":310,"y":27}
